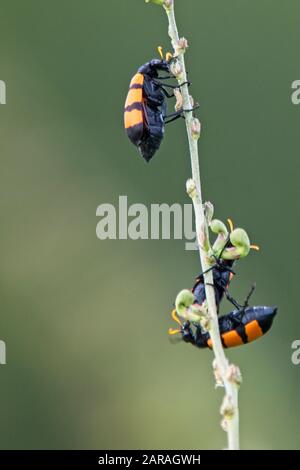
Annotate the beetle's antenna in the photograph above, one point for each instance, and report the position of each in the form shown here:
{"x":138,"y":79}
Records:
{"x":255,"y":247}
{"x":160,"y":51}
{"x":230,"y":223}
{"x":171,"y":331}
{"x":169,"y":56}
{"x":175,"y":317}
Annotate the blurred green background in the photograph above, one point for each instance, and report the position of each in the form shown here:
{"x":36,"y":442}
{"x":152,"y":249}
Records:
{"x":89,"y":362}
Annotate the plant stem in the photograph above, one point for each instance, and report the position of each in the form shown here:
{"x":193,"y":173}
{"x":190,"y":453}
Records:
{"x":232,"y":418}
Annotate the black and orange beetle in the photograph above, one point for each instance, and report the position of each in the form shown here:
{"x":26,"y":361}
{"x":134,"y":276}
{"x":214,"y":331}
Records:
{"x":236,"y":328}
{"x":241,"y":326}
{"x":145,"y":107}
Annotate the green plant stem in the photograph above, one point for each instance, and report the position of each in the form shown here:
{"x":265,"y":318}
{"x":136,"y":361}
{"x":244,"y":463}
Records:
{"x":232,"y":423}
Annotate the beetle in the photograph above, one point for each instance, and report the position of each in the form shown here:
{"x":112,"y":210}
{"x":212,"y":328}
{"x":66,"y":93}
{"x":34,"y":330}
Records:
{"x":236,"y":328}
{"x":145,"y":106}
{"x":222,"y":276}
{"x":240,"y":326}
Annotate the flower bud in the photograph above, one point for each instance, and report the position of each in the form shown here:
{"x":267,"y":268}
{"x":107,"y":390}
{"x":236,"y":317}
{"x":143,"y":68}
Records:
{"x":205,"y":318}
{"x":209,"y":211}
{"x":191,"y":188}
{"x":241,"y":245}
{"x":190,"y":311}
{"x":217,"y":374}
{"x":179,"y":99}
{"x":195,"y":128}
{"x":184,"y":300}
{"x":233,"y":375}
{"x":182,"y":44}
{"x":200,"y":314}
{"x":176,"y":69}
{"x":218,"y":227}
{"x":227,"y":407}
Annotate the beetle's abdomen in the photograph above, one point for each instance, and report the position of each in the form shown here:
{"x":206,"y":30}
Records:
{"x":133,"y":111}
{"x":153,"y":133}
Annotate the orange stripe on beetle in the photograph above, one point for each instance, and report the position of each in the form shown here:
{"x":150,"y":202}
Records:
{"x":229,"y":339}
{"x":137,"y":79}
{"x":134,"y":96}
{"x":232,"y":339}
{"x":253,"y":330}
{"x":133,"y":118}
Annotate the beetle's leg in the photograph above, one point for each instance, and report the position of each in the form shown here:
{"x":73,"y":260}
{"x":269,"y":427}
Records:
{"x":246,"y":302}
{"x":175,"y":86}
{"x":179,"y":113}
{"x":167,"y":77}
{"x":192,"y":109}
{"x":188,"y":83}
{"x":232,"y":300}
{"x":174,"y":118}
{"x":158,"y":79}
{"x":157,"y":82}
{"x":241,"y":308}
{"x":166,"y":85}
{"x":209,"y":284}
{"x":223,"y":249}
{"x":209,"y":269}
{"x":215,"y":288}
{"x":167,"y":95}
